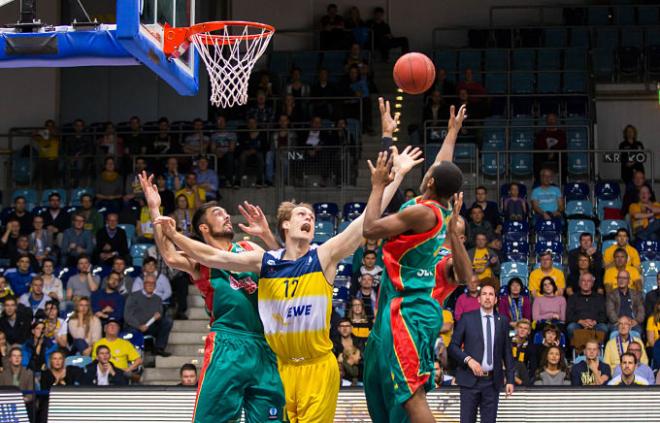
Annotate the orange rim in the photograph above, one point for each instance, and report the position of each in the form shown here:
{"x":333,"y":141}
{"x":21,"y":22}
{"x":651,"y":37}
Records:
{"x":176,"y":37}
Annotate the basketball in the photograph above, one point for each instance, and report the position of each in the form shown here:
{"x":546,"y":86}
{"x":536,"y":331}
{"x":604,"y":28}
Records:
{"x":414,"y":73}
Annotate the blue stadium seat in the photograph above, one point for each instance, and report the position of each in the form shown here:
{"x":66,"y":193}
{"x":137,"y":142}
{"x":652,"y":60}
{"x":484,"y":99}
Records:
{"x":512,"y":269}
{"x":632,"y":38}
{"x":29,"y":194}
{"x":650,"y":270}
{"x":577,"y":138}
{"x":521,"y":164}
{"x":549,"y":59}
{"x":579,"y":208}
{"x":603,"y":63}
{"x":324,"y":227}
{"x":648,"y":250}
{"x":515,"y":237}
{"x":521,"y":138}
{"x":307,"y":61}
{"x":556,"y":247}
{"x":575,"y":59}
{"x":77,"y":193}
{"x":134,"y":337}
{"x":607,"y":190}
{"x":80,"y":361}
{"x":516,"y":227}
{"x":469,"y":59}
{"x":130,"y":232}
{"x":575,"y":82}
{"x":606,"y":244}
{"x":138,"y":251}
{"x":579,"y":37}
{"x":580,"y":226}
{"x":547,"y":226}
{"x":334,"y":61}
{"x":490,"y":165}
{"x":496,"y":60}
{"x":523,"y":59}
{"x":516,"y":251}
{"x":47,"y":192}
{"x":601,"y":205}
{"x":625,"y":15}
{"x":549,"y":82}
{"x":353,"y":210}
{"x":522,"y":83}
{"x":573,"y":241}
{"x":496,"y":83}
{"x":545,"y":237}
{"x":445,"y":59}
{"x":578,"y":164}
{"x":494,"y":136}
{"x":554,"y":37}
{"x":279,"y":63}
{"x":343,"y":225}
{"x":326,"y":212}
{"x":598,"y":15}
{"x":608,"y":228}
{"x":576,"y":191}
{"x":648,"y":15}
{"x":319,"y":239}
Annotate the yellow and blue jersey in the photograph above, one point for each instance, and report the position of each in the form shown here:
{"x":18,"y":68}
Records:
{"x":295,"y":302}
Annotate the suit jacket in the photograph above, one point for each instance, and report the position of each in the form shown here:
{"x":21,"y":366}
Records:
{"x":469,"y":333}
{"x":88,"y":376}
{"x":614,"y":303}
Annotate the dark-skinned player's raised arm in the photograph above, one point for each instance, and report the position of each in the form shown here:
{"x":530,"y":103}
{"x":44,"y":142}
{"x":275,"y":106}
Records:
{"x":446,"y":152}
{"x":460,"y":258}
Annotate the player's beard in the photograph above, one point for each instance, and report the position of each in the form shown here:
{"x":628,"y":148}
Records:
{"x":225,"y":233}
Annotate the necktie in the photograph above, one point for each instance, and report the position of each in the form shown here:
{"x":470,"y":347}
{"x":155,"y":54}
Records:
{"x":489,"y":342}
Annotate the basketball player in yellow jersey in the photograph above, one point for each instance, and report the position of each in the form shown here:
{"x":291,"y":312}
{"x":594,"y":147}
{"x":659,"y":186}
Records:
{"x":295,"y":291}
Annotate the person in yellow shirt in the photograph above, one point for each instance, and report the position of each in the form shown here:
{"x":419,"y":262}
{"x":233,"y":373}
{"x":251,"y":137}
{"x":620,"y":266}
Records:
{"x":621,"y":263}
{"x":48,"y":146}
{"x":619,"y":344}
{"x":622,"y":238}
{"x":546,"y":269}
{"x":195,"y":195}
{"x":645,"y":216}
{"x":653,"y":326}
{"x":122,"y":353}
{"x":447,"y":327}
{"x":484,"y":260}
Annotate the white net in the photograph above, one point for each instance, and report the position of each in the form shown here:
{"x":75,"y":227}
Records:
{"x":229,"y":55}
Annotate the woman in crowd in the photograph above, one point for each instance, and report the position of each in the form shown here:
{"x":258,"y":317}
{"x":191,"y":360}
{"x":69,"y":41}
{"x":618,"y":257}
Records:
{"x":553,"y":371}
{"x":549,"y":307}
{"x":628,"y":163}
{"x":109,"y":187}
{"x":645,"y":216}
{"x":182,"y":215}
{"x":514,"y":304}
{"x":37,"y":349}
{"x":84,"y":327}
{"x":653,"y":326}
{"x":573,"y":281}
{"x":4,"y":351}
{"x":551,"y":338}
{"x":361,"y":324}
{"x":52,"y":284}
{"x":57,"y":373}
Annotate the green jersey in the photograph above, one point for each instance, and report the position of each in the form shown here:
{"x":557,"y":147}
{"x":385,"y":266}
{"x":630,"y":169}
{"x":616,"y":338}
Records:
{"x":231,"y":297}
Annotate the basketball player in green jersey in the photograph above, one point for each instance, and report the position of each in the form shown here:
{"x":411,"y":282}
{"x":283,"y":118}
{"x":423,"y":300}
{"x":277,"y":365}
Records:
{"x":239,"y":370}
{"x":399,"y":353}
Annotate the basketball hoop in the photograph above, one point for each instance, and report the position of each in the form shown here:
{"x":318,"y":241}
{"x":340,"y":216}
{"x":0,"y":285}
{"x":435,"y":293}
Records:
{"x":229,"y":50}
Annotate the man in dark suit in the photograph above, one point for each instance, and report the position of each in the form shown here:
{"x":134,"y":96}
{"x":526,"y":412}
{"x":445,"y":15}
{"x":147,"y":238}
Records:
{"x":484,"y":335}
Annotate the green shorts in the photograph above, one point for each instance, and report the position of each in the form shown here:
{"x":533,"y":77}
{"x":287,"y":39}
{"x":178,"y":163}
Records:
{"x":239,"y":373}
{"x":398,"y":358}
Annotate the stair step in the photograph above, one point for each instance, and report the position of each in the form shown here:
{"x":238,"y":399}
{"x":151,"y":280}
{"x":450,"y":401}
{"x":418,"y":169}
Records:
{"x":196,"y":300}
{"x":175,"y":362}
{"x":197,"y":313}
{"x":187,"y":349}
{"x":191,"y":326}
{"x":187,"y":338}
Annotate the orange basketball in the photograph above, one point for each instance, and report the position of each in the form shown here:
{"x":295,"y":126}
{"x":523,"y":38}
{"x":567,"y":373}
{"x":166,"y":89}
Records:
{"x":414,"y":73}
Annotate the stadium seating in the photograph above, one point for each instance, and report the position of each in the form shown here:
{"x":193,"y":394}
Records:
{"x":343,"y":225}
{"x":607,"y":190}
{"x":515,"y":251}
{"x":555,"y":247}
{"x":47,"y":192}
{"x":515,"y":227}
{"x":353,"y":210}
{"x":79,"y":192}
{"x":138,"y":252}
{"x":324,"y":227}
{"x":650,"y":271}
{"x":326,"y":212}
{"x":511,"y":269}
{"x":320,"y":238}
{"x":648,"y":250}
{"x":576,"y":191}
{"x":607,"y":204}
{"x":608,"y":228}
{"x":29,"y":194}
{"x":130,"y":232}
{"x":607,"y":244}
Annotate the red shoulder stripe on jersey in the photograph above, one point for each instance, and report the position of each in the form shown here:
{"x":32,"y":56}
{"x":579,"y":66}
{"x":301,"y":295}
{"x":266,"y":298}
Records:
{"x":246,"y":245}
{"x":443,"y":288}
{"x":405,"y":348}
{"x":204,"y":286}
{"x":398,"y":246}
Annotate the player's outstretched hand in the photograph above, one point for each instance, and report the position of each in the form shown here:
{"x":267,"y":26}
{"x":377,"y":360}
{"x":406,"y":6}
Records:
{"x":150,"y":190}
{"x":404,"y":162}
{"x":381,"y":174}
{"x":256,"y":219}
{"x":387,"y":122}
{"x":456,"y":120}
{"x":452,"y":225}
{"x":168,"y":224}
